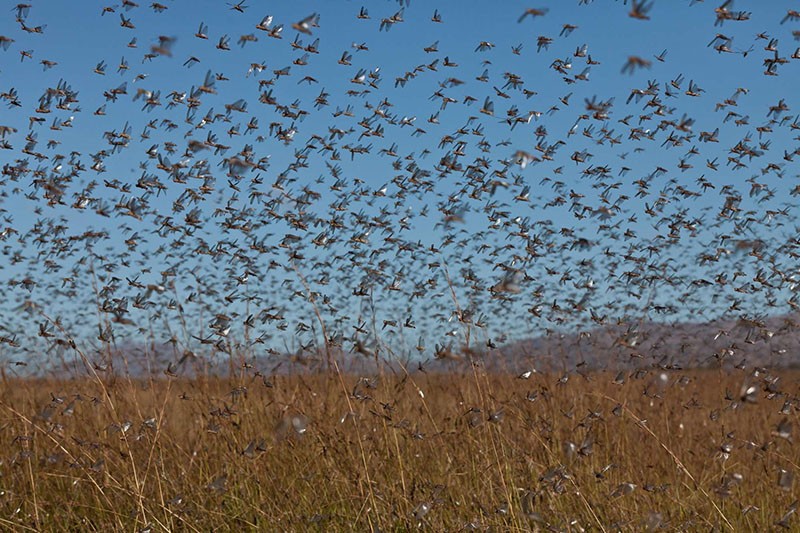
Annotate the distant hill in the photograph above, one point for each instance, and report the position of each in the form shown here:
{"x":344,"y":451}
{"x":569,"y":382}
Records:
{"x":770,"y":342}
{"x":773,"y":342}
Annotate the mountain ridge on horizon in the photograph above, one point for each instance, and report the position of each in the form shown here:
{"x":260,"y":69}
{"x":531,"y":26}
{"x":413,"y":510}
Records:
{"x":728,"y":342}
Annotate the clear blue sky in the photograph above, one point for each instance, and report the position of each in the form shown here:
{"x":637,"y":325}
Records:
{"x":77,"y":37}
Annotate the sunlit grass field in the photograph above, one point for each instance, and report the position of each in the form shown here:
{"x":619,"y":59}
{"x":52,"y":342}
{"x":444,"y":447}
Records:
{"x":469,"y":450}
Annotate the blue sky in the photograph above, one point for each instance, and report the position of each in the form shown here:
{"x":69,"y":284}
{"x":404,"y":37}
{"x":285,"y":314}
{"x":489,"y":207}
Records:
{"x":77,"y":37}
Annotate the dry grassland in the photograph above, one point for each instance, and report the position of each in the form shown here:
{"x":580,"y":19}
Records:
{"x":692,"y":450}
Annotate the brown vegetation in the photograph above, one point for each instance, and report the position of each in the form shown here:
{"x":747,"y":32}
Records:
{"x":635,"y":451}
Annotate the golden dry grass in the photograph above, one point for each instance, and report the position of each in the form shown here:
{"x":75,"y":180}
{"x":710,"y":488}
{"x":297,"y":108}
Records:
{"x":398,"y":452}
